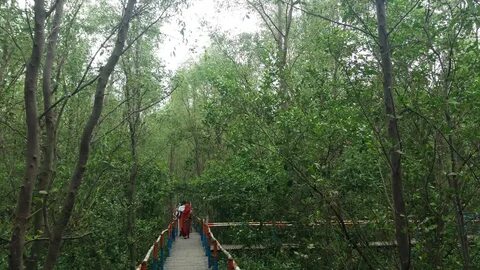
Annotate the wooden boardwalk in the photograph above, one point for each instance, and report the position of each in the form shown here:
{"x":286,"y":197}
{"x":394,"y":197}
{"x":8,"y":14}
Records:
{"x":187,"y":254}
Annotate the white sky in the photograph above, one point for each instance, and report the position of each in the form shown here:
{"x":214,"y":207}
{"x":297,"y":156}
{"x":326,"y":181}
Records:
{"x":201,"y":18}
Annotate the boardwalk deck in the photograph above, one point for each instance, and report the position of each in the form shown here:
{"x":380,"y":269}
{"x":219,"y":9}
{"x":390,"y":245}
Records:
{"x":187,"y":254}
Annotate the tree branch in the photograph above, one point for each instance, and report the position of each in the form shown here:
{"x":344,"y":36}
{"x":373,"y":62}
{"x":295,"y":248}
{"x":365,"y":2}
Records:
{"x":52,"y":8}
{"x":361,"y":20}
{"x":63,"y":238}
{"x":80,"y":85}
{"x":148,"y":27}
{"x":403,"y":17}
{"x":133,"y":112}
{"x":267,"y":20}
{"x":337,"y":22}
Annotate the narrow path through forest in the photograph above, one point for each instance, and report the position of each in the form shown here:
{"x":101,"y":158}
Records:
{"x":187,"y":254}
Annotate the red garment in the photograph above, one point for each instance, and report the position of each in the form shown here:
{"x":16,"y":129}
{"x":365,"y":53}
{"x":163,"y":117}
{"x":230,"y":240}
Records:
{"x":180,"y":224}
{"x":186,"y":220}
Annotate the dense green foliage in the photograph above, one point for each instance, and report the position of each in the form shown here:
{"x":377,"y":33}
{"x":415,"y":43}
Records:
{"x":248,"y":137}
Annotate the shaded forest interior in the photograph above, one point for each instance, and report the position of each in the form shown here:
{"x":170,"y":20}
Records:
{"x":355,"y":121}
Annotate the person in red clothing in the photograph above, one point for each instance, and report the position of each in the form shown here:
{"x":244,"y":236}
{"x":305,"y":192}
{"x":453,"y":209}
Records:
{"x":186,"y":218}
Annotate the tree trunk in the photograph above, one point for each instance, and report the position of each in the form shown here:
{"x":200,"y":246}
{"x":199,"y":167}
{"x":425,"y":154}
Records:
{"x":133,"y":97}
{"x":433,"y":245}
{"x":279,"y":26}
{"x":454,"y":185}
{"x":283,"y":27}
{"x":31,"y":157}
{"x":131,"y":191}
{"x":171,"y":160}
{"x":45,"y":176}
{"x":401,"y":220}
{"x":3,"y":67}
{"x":76,"y":180}
{"x":198,"y":158}
{"x":453,"y":180}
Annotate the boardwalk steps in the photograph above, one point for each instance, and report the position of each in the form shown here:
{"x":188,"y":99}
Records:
{"x":170,"y":252}
{"x":187,"y":254}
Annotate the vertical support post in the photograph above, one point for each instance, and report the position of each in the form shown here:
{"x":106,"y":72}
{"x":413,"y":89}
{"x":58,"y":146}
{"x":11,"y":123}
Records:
{"x":144,"y":266}
{"x":175,"y":229}
{"x":202,"y":234}
{"x":230,"y":265}
{"x":169,"y":241}
{"x":215,"y":255}
{"x":209,"y":255}
{"x":162,"y":255}
{"x":200,"y":230}
{"x":205,"y":239}
{"x":155,"y":256}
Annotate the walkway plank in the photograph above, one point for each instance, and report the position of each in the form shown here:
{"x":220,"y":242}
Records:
{"x":187,"y":254}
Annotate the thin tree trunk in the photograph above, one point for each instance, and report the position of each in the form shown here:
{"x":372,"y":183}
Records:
{"x":4,"y":65}
{"x":133,"y":111}
{"x":433,"y":245}
{"x":401,"y":220}
{"x":105,"y":72}
{"x":454,"y":185}
{"x":31,"y":157}
{"x":453,"y":180}
{"x":283,"y":28}
{"x":131,"y":191}
{"x":45,"y":176}
{"x":280,"y":41}
{"x":198,"y":159}
{"x":171,"y":161}
{"x":279,"y":26}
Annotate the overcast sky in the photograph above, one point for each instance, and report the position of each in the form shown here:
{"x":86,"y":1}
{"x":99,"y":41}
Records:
{"x":200,"y":18}
{"x":176,"y":50}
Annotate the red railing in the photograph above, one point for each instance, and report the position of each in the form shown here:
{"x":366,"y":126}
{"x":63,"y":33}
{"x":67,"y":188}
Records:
{"x":156,"y":255}
{"x":210,"y":243}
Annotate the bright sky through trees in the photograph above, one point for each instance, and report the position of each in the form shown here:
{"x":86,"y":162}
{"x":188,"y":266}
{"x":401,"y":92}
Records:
{"x":200,"y":19}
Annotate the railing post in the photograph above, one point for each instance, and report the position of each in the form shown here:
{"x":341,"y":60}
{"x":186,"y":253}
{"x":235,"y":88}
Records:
{"x":205,"y":239}
{"x":169,"y":241}
{"x":155,"y":256}
{"x":209,"y":236}
{"x":230,"y":265}
{"x":215,"y":255}
{"x":175,"y":229}
{"x":200,"y":230}
{"x":162,"y":255}
{"x":144,"y":266}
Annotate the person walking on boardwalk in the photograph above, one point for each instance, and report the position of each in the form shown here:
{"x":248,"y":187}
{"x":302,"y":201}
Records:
{"x":178,"y":214}
{"x":186,"y":219}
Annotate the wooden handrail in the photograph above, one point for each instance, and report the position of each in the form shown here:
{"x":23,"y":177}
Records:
{"x":316,"y":223}
{"x":286,"y":223}
{"x":224,"y":251}
{"x":158,"y":244}
{"x":252,"y":223}
{"x":231,"y":263}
